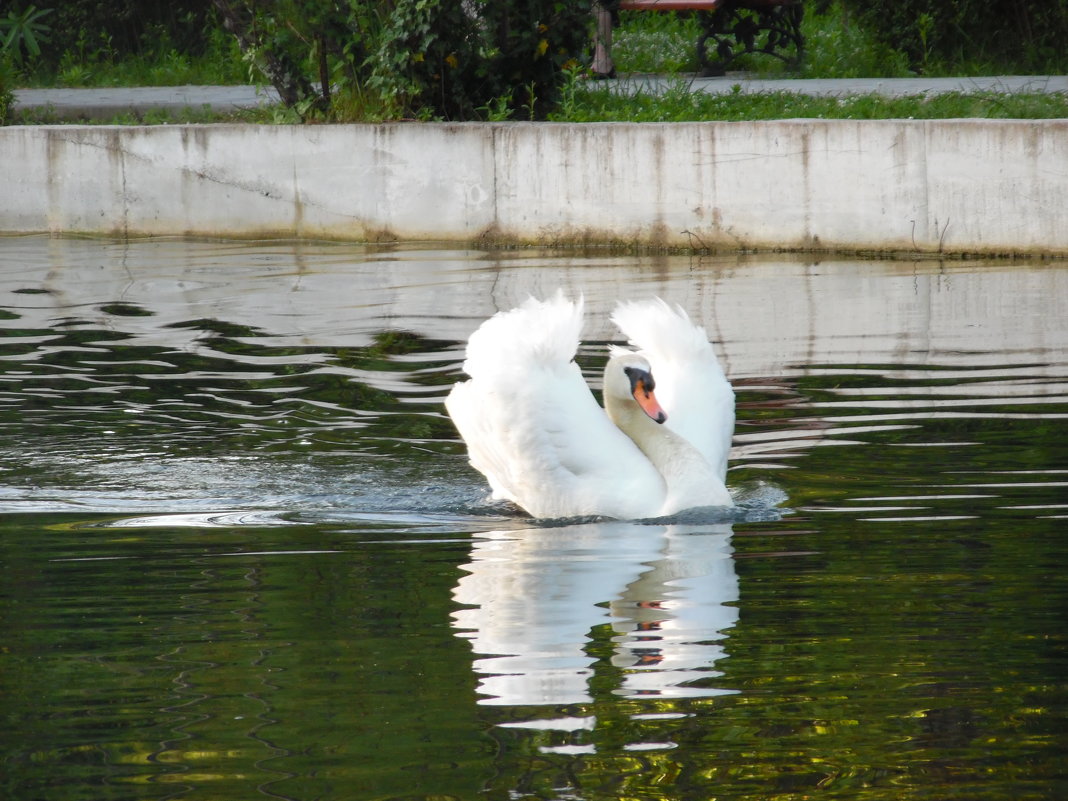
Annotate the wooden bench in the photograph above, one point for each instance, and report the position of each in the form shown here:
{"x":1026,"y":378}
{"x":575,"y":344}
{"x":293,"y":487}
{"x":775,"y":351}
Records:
{"x":733,"y":28}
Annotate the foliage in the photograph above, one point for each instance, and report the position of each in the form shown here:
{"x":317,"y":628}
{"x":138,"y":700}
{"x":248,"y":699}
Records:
{"x":7,"y":94}
{"x":151,"y":116}
{"x":23,"y":32}
{"x":122,"y":28}
{"x":123,"y":42}
{"x":412,"y":58}
{"x":859,"y":39}
{"x":19,"y":32}
{"x":370,"y":60}
{"x":679,"y":103}
{"x":579,"y":102}
{"x":161,"y":63}
{"x":645,"y":42}
{"x":837,"y":46}
{"x":1029,"y":34}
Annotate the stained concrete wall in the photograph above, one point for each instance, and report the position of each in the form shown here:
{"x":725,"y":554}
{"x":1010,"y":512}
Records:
{"x":898,"y":185}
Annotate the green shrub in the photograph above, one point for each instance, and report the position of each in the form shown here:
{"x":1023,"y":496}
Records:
{"x":7,"y":94}
{"x":123,"y":42}
{"x":941,"y":35}
{"x":119,"y":28}
{"x":440,"y":58}
{"x":837,"y":45}
{"x":22,"y":33}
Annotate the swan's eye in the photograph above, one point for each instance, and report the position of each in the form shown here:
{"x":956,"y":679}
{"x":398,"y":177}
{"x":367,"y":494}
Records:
{"x":640,"y":380}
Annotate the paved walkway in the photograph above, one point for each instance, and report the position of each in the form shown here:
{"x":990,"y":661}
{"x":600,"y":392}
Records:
{"x":829,"y":87}
{"x":106,"y":103}
{"x":111,"y":102}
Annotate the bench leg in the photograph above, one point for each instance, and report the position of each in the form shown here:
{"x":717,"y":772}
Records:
{"x":732,"y":31}
{"x":603,"y":66}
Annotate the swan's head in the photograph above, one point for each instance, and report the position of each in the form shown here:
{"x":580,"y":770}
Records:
{"x":628,"y":379}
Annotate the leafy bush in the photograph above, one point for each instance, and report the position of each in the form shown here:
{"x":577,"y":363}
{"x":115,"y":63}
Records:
{"x":879,"y":38}
{"x":7,"y":94}
{"x":119,"y":28}
{"x":837,"y":46}
{"x":23,"y":33}
{"x":412,"y":57}
{"x":108,"y":42}
{"x":1024,"y":35}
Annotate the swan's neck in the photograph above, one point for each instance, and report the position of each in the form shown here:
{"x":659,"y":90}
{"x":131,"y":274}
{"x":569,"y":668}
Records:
{"x":690,"y":480}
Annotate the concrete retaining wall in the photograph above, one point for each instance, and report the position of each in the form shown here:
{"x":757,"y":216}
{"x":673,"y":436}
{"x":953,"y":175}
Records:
{"x":971,"y":186}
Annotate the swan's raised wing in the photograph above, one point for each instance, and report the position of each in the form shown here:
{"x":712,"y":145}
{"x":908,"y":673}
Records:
{"x":689,"y":381}
{"x":533,"y":428}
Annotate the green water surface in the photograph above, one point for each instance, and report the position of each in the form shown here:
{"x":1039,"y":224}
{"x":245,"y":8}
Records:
{"x":242,"y":554}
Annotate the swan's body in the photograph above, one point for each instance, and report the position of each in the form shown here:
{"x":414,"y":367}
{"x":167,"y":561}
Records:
{"x":533,"y":428}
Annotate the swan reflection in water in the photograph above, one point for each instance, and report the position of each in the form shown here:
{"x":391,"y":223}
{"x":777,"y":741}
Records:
{"x":534,"y":597}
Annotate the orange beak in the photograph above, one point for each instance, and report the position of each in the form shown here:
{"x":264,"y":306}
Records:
{"x":647,"y":400}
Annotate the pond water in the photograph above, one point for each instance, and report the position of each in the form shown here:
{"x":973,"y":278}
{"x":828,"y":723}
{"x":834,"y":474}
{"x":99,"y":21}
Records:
{"x":243,"y":555}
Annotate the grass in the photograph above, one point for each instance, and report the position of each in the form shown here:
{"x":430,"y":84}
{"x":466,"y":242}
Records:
{"x":585,"y":102}
{"x":835,"y":47}
{"x":661,"y":43}
{"x":187,"y":116}
{"x":167,"y":68}
{"x":594,"y":103}
{"x":160,"y":63}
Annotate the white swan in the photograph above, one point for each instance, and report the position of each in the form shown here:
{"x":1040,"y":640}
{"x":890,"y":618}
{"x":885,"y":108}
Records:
{"x":534,"y":430}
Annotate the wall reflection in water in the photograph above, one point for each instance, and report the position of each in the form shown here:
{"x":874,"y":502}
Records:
{"x":534,"y":597}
